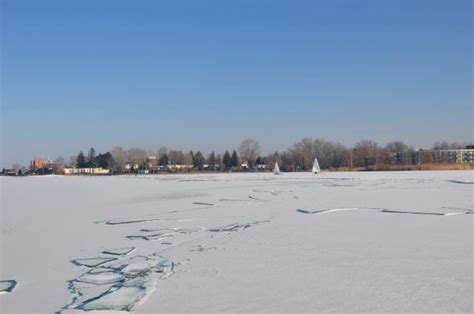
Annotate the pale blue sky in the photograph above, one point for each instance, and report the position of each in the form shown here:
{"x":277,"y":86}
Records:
{"x":207,"y":74}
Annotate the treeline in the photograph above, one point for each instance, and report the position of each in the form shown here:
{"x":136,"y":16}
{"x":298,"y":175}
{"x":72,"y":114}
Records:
{"x":299,"y":157}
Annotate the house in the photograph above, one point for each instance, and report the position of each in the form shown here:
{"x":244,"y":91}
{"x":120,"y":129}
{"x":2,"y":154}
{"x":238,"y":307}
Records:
{"x":9,"y":172}
{"x":152,"y":163}
{"x":179,"y":167}
{"x":462,"y":155}
{"x":91,"y":171}
{"x":40,"y":163}
{"x":131,"y":166}
{"x":213,"y":167}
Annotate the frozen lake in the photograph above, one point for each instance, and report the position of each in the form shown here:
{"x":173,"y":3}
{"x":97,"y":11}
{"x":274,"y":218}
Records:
{"x":336,"y":242}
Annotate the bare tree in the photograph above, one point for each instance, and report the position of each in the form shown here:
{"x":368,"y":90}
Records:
{"x":120,"y":157}
{"x":385,"y":156}
{"x":273,"y":158}
{"x":16,"y":167}
{"x":304,"y":152}
{"x":444,"y":145}
{"x":72,"y":161}
{"x":340,"y":155}
{"x":58,"y":165}
{"x":397,"y":147}
{"x":188,"y":158}
{"x":163,"y":150}
{"x":176,"y":157}
{"x":136,"y":155}
{"x":365,"y":153}
{"x":249,"y":150}
{"x":288,"y":162}
{"x":329,"y":154}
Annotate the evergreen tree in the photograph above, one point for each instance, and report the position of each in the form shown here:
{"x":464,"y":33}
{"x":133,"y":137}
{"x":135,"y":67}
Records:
{"x":199,"y":160}
{"x":258,"y":161}
{"x":105,"y":161}
{"x":164,"y":160}
{"x":234,"y":159}
{"x":91,"y":159}
{"x":227,"y":161}
{"x":81,"y":160}
{"x":212,"y":161}
{"x":191,"y":155}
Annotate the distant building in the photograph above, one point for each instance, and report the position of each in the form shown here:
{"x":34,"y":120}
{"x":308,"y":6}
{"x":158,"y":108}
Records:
{"x":131,"y":166}
{"x":462,"y":155}
{"x":179,"y":167}
{"x":152,"y":163}
{"x":9,"y":172}
{"x":98,"y":171}
{"x":213,"y":167}
{"x":40,"y":163}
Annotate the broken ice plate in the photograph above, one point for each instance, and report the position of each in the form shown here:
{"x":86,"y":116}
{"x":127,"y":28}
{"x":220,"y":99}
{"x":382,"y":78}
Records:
{"x":92,"y":261}
{"x":101,"y":278}
{"x":122,"y":299}
{"x":7,"y":286}
{"x":120,"y":251}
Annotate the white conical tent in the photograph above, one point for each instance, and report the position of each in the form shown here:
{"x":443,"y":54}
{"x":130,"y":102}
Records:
{"x":276,"y":169}
{"x":316,"y":168}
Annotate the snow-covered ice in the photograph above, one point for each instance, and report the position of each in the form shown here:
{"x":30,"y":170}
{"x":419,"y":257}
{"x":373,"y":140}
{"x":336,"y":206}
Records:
{"x":332,"y":242}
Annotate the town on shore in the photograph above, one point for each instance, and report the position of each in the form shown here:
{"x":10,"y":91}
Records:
{"x":366,"y":155}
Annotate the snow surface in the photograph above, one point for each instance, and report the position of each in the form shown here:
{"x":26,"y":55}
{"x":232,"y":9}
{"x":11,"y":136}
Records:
{"x":333,"y":242}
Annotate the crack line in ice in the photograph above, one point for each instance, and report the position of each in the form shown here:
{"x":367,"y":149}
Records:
{"x":257,"y":199}
{"x":232,"y":200}
{"x":460,"y":182}
{"x":202,"y":203}
{"x":236,"y":226}
{"x":381,"y":210}
{"x":161,"y":233}
{"x":325,"y":210}
{"x":411,"y":212}
{"x":458,"y":208}
{"x":128,"y":221}
{"x":156,"y":236}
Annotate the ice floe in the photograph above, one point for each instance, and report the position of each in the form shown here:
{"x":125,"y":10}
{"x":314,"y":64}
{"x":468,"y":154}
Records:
{"x":120,"y":286}
{"x":92,"y":261}
{"x":7,"y":286}
{"x":101,"y":278}
{"x":122,"y":298}
{"x":120,"y":251}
